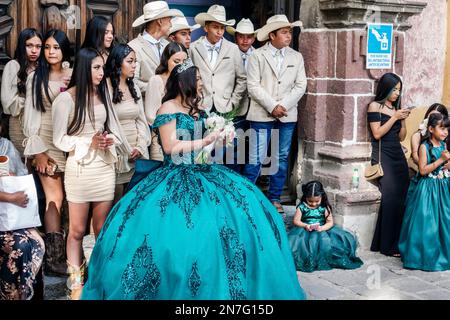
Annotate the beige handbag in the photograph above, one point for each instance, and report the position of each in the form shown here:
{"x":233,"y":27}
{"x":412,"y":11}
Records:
{"x":375,"y":171}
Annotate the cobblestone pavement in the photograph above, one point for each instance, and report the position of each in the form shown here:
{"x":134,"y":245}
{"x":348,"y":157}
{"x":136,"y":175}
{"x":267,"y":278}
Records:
{"x":380,"y":278}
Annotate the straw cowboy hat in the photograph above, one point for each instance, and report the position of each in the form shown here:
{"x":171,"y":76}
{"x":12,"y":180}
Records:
{"x":215,"y":13}
{"x":274,"y":23}
{"x":181,"y":23}
{"x":245,"y":26}
{"x":156,"y":10}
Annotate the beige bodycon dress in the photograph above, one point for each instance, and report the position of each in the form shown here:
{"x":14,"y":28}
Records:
{"x":132,"y":120}
{"x":90,"y":174}
{"x":38,"y":126}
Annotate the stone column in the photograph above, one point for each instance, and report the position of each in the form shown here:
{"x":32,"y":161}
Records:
{"x":332,"y":117}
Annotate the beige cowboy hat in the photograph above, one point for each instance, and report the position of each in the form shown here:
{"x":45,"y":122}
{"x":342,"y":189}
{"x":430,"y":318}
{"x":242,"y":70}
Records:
{"x":274,"y":23}
{"x":181,"y":23}
{"x":245,"y":26}
{"x":216,"y":13}
{"x":156,"y":10}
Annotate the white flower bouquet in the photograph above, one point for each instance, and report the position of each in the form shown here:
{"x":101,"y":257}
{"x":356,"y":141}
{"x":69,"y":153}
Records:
{"x":224,"y":127}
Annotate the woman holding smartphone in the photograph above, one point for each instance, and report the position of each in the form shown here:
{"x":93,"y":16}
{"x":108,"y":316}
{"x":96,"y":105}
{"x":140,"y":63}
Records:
{"x":387,"y":124}
{"x":43,"y":86}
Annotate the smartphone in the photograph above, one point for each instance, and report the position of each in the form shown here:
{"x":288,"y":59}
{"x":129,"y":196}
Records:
{"x":411,"y":107}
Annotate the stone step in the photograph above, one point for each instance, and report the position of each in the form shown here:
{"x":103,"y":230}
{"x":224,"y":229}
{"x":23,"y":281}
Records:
{"x":55,"y":288}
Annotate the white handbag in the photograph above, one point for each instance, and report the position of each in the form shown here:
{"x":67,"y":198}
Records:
{"x":13,"y":217}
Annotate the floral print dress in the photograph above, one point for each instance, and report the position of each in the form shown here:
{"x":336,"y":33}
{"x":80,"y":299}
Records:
{"x":21,"y":256}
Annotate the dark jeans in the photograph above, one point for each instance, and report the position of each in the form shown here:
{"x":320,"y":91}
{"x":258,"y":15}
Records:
{"x":238,"y":154}
{"x":262,"y":135}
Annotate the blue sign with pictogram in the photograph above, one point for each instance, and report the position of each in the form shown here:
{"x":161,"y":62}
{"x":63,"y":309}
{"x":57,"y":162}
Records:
{"x":379,"y":45}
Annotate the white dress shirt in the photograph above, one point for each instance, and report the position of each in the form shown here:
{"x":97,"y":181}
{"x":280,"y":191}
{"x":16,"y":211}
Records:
{"x":154,"y":44}
{"x":278,"y":55}
{"x":212,"y":50}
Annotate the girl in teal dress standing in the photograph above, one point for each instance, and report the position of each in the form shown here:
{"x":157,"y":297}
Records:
{"x":191,"y":231}
{"x":425,"y":234}
{"x":316,"y":243}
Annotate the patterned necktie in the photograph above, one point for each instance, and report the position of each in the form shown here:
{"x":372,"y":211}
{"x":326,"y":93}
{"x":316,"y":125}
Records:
{"x":244,"y":59}
{"x":212,"y":49}
{"x":278,"y":59}
{"x":158,"y":46}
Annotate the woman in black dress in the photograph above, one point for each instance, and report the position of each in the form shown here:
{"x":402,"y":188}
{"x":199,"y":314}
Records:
{"x":387,"y":122}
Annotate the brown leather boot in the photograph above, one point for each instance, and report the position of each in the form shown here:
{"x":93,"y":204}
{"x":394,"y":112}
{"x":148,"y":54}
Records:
{"x":75,"y":282}
{"x":55,"y":255}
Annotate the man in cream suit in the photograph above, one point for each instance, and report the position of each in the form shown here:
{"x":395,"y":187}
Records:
{"x":244,"y":36}
{"x":219,"y":62}
{"x":276,"y":82}
{"x":150,"y":44}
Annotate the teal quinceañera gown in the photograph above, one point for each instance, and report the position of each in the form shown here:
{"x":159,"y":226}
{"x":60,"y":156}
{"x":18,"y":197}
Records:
{"x":191,"y":231}
{"x":335,"y":248}
{"x":425,"y":235}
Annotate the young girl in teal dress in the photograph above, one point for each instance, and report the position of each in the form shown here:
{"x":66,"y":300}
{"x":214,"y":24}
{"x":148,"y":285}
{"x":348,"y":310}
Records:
{"x":191,"y":231}
{"x":316,"y":243}
{"x":425,"y":234}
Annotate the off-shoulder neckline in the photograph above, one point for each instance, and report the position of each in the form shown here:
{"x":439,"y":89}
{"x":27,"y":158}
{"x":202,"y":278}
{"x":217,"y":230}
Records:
{"x":179,"y":112}
{"x":381,"y":113}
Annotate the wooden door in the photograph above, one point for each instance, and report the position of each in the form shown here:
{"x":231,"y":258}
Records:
{"x":70,"y":16}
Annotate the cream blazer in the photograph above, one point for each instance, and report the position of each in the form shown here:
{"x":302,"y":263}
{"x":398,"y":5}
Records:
{"x":224,"y":86}
{"x":243,"y":109}
{"x":268,"y":88}
{"x":147,"y":61}
{"x":152,"y":102}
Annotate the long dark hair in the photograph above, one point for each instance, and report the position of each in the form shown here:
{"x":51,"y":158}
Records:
{"x":385,"y":88}
{"x":41,"y":76}
{"x":168,"y":52}
{"x":184,"y":83}
{"x":437,"y":107}
{"x":315,"y":189}
{"x":20,"y":55}
{"x":82,"y":80}
{"x":434,"y":120}
{"x":95,"y":33}
{"x":114,"y":72}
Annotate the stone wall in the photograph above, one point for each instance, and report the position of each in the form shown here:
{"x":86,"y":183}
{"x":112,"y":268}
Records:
{"x":332,"y":120}
{"x":425,"y":53}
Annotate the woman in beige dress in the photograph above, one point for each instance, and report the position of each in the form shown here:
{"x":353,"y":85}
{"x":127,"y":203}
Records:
{"x":100,"y":35}
{"x":129,"y":109}
{"x":173,"y":55}
{"x":43,"y":86}
{"x":82,"y":121}
{"x":14,"y":82}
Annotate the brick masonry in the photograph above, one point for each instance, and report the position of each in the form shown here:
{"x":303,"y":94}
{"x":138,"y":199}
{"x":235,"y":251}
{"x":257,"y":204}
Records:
{"x":333,"y":120}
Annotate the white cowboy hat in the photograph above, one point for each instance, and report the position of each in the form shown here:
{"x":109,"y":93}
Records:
{"x":216,"y":13}
{"x":156,"y":10}
{"x":274,"y":23}
{"x":245,"y":26}
{"x":181,"y":23}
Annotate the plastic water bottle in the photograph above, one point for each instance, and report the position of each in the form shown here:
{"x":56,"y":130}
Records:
{"x":355,"y":179}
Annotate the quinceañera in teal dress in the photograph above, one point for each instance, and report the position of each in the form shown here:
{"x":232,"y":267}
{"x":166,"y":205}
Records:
{"x":425,"y":234}
{"x":192,"y":231}
{"x":334,"y":248}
